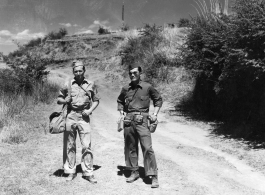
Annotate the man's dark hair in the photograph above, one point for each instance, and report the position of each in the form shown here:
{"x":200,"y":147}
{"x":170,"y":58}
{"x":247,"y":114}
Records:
{"x":139,"y":68}
{"x":84,"y":68}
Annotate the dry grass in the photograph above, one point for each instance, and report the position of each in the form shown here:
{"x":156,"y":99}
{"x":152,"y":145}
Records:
{"x":173,"y":39}
{"x":16,"y":116}
{"x":10,"y":108}
{"x":181,"y":84}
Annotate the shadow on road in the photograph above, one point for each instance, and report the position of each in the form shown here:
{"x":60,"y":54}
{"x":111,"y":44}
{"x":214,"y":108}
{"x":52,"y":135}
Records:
{"x":60,"y":172}
{"x":126,"y":173}
{"x":252,"y":134}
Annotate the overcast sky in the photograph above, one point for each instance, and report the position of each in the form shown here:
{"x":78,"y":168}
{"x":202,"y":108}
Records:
{"x":22,"y":20}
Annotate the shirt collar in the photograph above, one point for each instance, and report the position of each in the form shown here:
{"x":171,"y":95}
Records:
{"x":140,"y":84}
{"x":84,"y":81}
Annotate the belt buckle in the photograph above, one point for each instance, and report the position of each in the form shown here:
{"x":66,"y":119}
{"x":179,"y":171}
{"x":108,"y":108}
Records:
{"x":138,"y":118}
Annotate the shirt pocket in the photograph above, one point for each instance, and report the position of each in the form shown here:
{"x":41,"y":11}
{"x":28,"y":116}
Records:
{"x":144,"y":98}
{"x":73,"y":94}
{"x":145,"y":101}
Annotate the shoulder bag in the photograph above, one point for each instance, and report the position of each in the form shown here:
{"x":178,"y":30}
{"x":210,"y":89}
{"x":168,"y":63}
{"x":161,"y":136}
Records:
{"x":57,"y":119}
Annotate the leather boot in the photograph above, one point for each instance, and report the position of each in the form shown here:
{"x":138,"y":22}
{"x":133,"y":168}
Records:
{"x":134,"y":176}
{"x":91,"y":179}
{"x":155,"y":183}
{"x":71,"y":177}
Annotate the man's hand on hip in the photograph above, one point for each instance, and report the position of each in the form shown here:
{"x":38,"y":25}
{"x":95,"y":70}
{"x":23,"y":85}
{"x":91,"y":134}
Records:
{"x":87,"y":112}
{"x":68,"y":99}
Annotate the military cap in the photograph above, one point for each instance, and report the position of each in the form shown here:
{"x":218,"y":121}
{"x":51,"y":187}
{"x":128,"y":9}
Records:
{"x":76,"y":63}
{"x":135,"y":65}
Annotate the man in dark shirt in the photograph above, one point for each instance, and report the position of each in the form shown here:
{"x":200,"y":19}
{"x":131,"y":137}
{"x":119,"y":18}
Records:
{"x":133,"y":105}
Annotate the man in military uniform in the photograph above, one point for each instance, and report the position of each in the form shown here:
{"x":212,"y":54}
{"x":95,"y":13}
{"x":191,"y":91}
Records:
{"x":133,"y":103}
{"x":81,"y":98}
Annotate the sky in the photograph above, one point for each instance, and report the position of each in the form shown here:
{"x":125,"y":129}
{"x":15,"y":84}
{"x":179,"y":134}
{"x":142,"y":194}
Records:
{"x":22,"y":20}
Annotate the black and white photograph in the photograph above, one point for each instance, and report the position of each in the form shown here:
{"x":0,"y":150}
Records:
{"x":132,"y":97}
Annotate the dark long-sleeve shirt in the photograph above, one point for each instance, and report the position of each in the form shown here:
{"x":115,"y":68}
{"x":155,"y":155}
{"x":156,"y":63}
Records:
{"x":137,"y":99}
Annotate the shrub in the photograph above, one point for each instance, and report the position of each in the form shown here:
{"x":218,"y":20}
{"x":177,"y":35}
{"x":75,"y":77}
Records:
{"x":102,"y":30}
{"x":150,"y":52}
{"x":33,"y":43}
{"x":29,"y":70}
{"x":17,"y":96}
{"x":53,"y":35}
{"x":183,"y":22}
{"x":226,"y":54}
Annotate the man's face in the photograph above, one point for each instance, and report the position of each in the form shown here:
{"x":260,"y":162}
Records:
{"x":134,"y":74}
{"x":79,"y":72}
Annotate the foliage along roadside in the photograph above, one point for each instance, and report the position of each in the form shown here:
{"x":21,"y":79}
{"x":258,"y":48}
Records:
{"x":23,"y":86}
{"x":226,"y":55}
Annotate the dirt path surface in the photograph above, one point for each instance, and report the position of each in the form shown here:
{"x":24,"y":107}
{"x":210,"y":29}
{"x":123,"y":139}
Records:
{"x":188,"y":160}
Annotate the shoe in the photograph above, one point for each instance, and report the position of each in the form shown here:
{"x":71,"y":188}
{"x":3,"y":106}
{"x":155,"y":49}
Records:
{"x":91,"y":179}
{"x":134,"y":176}
{"x":71,"y":177}
{"x":155,"y":183}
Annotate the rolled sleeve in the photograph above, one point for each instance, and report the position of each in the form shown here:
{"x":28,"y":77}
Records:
{"x":94,"y":93}
{"x":121,"y":100}
{"x":63,"y":92}
{"x":155,"y":97}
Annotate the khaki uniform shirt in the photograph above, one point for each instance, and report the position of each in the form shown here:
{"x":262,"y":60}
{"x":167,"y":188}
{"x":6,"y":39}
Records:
{"x":80,"y":99}
{"x":138,"y":99}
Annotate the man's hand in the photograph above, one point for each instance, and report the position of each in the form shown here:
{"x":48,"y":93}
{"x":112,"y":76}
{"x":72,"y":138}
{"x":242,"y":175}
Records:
{"x":121,"y":116}
{"x":68,"y":99}
{"x":87,"y":112}
{"x":152,"y":118}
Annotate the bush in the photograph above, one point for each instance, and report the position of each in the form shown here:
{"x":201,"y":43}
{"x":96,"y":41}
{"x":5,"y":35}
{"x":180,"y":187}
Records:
{"x":226,"y":54}
{"x":102,"y":30}
{"x":183,"y":22}
{"x":29,"y":70}
{"x":142,"y":50}
{"x":22,"y":87}
{"x":56,"y":35}
{"x":33,"y":43}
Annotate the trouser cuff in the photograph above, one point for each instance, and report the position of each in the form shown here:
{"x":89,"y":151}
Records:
{"x":151,"y":173}
{"x":132,"y":168}
{"x":67,"y":171}
{"x":88,"y":174}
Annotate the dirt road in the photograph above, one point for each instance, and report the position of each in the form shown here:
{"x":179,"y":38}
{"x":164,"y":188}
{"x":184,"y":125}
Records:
{"x":188,"y":160}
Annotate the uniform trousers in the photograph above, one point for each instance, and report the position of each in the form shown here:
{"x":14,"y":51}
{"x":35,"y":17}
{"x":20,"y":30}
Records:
{"x":133,"y":133}
{"x":76,"y":123}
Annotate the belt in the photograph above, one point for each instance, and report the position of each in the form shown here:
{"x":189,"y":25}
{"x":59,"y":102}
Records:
{"x":138,"y":113}
{"x":77,"y":111}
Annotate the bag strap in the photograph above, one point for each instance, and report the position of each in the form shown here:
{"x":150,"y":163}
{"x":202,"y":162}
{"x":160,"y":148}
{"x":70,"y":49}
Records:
{"x":89,"y":95}
{"x":132,"y":97}
{"x":86,"y":90}
{"x":69,"y":93}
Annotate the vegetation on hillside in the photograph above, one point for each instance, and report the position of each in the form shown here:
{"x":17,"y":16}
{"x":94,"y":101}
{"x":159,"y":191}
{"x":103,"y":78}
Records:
{"x":226,"y":53}
{"x":22,"y":86}
{"x":156,"y":50}
{"x":103,"y":30}
{"x":35,"y":44}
